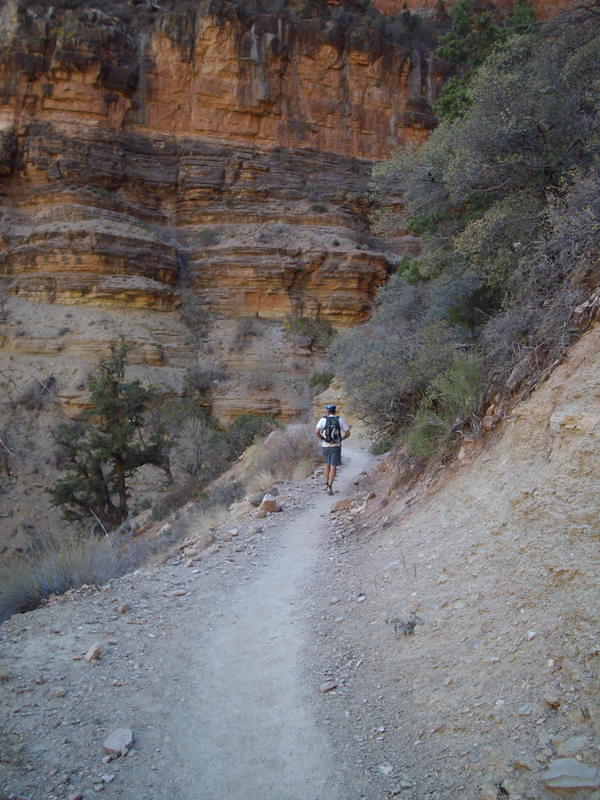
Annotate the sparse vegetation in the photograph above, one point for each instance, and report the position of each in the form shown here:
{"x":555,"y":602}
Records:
{"x":37,"y":394}
{"x":246,"y":328}
{"x":319,"y":381}
{"x":202,"y":379}
{"x":66,"y":562}
{"x":288,"y":453}
{"x":260,"y":382}
{"x":311,"y":332}
{"x":206,"y":237}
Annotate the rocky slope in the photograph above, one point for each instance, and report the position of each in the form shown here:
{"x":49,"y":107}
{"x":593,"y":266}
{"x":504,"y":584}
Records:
{"x":444,"y":643}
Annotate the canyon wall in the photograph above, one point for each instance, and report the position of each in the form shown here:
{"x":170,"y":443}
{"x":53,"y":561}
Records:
{"x":187,"y":175}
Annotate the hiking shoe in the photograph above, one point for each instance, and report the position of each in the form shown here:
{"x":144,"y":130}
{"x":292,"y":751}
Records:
{"x":329,"y":489}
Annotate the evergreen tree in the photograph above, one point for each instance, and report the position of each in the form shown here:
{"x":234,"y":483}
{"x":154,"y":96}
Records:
{"x":106,"y":446}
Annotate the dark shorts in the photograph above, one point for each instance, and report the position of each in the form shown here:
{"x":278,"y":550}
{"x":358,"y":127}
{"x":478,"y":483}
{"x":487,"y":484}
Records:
{"x":332,"y":455}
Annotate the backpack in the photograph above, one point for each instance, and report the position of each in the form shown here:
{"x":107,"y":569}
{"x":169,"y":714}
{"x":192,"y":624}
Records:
{"x":332,"y":432}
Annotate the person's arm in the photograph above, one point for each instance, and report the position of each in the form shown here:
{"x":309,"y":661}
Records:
{"x":318,"y":430}
{"x":345,"y":429}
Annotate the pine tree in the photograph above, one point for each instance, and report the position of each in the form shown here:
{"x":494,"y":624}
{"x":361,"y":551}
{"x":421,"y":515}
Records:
{"x":106,"y":446}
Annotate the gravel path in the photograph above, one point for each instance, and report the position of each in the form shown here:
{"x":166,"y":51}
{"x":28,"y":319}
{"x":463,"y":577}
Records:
{"x":208,"y":666}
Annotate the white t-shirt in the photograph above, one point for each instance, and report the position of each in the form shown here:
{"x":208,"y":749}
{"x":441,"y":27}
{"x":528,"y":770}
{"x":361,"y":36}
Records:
{"x":343,"y":427}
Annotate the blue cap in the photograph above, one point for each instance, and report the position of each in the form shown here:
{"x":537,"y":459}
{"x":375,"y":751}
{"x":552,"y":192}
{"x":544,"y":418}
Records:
{"x":330,"y":407}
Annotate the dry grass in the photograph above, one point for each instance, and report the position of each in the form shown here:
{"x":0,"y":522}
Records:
{"x":63,"y":563}
{"x":286,"y":454}
{"x":257,"y":482}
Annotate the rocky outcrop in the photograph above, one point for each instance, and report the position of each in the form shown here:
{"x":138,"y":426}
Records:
{"x":115,"y":180}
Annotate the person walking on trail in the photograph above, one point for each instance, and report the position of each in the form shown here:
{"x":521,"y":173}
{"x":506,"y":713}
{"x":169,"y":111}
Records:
{"x":331,"y":430}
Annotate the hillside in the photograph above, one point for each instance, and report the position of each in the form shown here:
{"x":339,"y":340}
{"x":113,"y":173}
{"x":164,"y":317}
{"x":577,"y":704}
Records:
{"x":280,"y":662}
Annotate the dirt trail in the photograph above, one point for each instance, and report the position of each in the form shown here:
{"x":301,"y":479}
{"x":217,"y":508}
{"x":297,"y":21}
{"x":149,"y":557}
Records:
{"x":250,"y":731}
{"x":215,"y":683}
{"x":217,"y":666}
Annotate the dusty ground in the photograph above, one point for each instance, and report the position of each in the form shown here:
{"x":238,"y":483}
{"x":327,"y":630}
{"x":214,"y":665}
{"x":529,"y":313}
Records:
{"x":454,"y":627}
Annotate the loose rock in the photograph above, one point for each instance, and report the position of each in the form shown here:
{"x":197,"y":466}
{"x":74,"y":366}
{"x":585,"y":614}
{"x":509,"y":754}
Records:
{"x":119,"y":742}
{"x":327,"y":687}
{"x":94,"y":653}
{"x":269,"y":505}
{"x":565,"y":776}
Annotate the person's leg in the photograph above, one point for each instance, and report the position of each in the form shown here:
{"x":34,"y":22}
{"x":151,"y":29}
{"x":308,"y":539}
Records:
{"x":326,"y":475}
{"x":334,"y":460}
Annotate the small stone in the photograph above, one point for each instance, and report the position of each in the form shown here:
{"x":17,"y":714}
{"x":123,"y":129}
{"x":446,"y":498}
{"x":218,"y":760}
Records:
{"x":386,"y":768}
{"x":341,"y":505}
{"x":522,"y":764}
{"x":94,"y":653}
{"x":107,"y":759}
{"x":567,"y":775}
{"x":175,"y":593}
{"x":123,"y":608}
{"x":488,"y":792}
{"x":531,"y":635}
{"x":107,"y":778}
{"x":76,"y":796}
{"x":525,"y":710}
{"x":59,"y":692}
{"x":166,"y":530}
{"x":572,"y":745}
{"x":551,"y":699}
{"x":119,"y":742}
{"x":328,"y":687}
{"x":260,"y":514}
{"x":269,"y":505}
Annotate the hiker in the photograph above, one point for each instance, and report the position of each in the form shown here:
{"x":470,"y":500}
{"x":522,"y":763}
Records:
{"x":331,"y":430}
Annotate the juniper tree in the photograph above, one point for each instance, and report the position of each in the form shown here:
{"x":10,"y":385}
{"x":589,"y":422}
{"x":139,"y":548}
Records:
{"x":106,"y":446}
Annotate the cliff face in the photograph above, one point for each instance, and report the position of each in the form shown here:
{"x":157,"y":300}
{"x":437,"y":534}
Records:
{"x":167,"y":171}
{"x":169,"y":168}
{"x":203,"y":154}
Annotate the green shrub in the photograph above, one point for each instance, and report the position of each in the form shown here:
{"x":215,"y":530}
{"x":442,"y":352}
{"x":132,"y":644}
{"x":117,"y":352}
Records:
{"x":319,"y":208}
{"x":381,"y":445}
{"x":245,"y":430}
{"x":312,"y":332}
{"x":319,"y":381}
{"x":106,"y":446}
{"x":448,"y":405}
